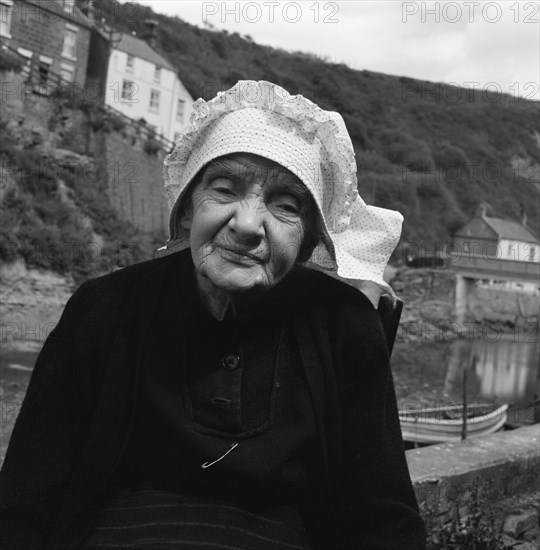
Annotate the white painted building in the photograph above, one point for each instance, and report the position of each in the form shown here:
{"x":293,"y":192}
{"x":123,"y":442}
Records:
{"x":515,"y":241}
{"x":142,"y":84}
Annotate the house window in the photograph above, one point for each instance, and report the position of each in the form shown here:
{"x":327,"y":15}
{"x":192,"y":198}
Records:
{"x":130,"y":63}
{"x":6,"y":13}
{"x":466,"y":247}
{"x":180,"y":110}
{"x":532,"y":250}
{"x":68,"y":5}
{"x":67,"y":72}
{"x":157,"y":75}
{"x":43,"y":70}
{"x":28,"y":54}
{"x":128,"y":91}
{"x":70,"y":42}
{"x":154,"y":100}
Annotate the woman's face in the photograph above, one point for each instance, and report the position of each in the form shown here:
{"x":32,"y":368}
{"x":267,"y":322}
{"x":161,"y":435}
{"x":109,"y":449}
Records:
{"x":246,"y":222}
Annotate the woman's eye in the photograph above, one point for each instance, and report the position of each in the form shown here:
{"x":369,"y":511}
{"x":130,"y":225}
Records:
{"x":292,"y":209}
{"x":222,"y":186}
{"x":288,"y":205}
{"x":224,"y":190}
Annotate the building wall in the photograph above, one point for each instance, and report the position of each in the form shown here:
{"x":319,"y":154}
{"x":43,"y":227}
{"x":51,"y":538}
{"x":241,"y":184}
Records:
{"x":42,"y":32}
{"x":470,"y":247}
{"x":137,"y":105}
{"x":98,"y":66}
{"x":135,"y":185}
{"x":519,"y":251}
{"x":476,"y":238}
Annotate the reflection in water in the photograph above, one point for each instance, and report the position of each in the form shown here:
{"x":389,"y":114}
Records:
{"x":503,"y":371}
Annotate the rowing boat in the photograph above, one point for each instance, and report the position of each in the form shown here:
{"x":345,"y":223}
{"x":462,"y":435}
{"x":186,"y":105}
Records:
{"x":445,"y":423}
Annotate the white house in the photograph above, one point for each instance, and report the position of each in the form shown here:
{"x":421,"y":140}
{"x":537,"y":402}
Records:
{"x":142,"y":84}
{"x":516,"y":242}
{"x":497,"y":238}
{"x":503,"y":253}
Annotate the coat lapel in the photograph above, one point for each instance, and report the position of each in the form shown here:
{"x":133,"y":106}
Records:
{"x":312,"y":332}
{"x":315,"y":377}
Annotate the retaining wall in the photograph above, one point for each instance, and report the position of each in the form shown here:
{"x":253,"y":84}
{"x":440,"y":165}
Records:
{"x":504,"y":464}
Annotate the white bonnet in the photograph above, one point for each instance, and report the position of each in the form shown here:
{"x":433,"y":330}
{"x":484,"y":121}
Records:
{"x":264,"y":119}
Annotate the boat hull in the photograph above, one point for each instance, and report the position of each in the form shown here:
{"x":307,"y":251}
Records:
{"x":420,"y":429}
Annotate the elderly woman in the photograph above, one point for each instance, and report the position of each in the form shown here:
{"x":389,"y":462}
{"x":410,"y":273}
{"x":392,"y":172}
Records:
{"x":228,"y":394}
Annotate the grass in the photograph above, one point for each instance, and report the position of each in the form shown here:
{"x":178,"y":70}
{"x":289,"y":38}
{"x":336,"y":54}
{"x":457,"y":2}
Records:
{"x":478,"y":529}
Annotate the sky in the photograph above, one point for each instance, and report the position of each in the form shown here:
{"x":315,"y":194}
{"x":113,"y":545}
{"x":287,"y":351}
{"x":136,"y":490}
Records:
{"x":491,"y":46}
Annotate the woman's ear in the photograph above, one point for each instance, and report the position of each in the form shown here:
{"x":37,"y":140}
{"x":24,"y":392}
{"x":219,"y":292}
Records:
{"x":307,"y":248}
{"x":185,"y":215}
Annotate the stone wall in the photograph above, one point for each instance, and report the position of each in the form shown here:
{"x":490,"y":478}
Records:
{"x":430,"y":302}
{"x":31,"y":305}
{"x":135,"y":182}
{"x":500,"y":306}
{"x":501,"y":472}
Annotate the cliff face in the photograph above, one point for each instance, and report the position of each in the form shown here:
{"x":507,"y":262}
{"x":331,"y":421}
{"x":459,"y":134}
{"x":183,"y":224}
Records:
{"x":79,"y":197}
{"x":31,"y":304}
{"x":80,"y":194}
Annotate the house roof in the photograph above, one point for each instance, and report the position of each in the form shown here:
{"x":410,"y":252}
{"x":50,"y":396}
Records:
{"x":139,"y":48}
{"x":509,"y":229}
{"x":75,"y":16}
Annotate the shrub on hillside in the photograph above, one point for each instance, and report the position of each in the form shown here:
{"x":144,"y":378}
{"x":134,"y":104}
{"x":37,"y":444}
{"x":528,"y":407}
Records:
{"x":450,"y":156}
{"x":480,"y":529}
{"x":427,"y":186}
{"x":372,"y":161}
{"x":413,"y":155}
{"x":10,"y":62}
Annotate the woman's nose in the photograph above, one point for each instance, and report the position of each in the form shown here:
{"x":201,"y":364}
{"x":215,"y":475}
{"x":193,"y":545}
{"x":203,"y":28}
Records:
{"x":248,"y":219}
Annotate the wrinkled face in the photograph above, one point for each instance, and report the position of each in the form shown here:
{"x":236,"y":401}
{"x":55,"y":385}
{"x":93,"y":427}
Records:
{"x":247,"y":220}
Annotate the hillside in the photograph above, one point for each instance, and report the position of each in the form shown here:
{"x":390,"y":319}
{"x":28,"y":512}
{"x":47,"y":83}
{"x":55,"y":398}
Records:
{"x":62,"y":186}
{"x":430,"y":150}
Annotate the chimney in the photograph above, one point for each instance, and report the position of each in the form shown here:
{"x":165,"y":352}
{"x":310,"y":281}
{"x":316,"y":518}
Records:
{"x":523,"y":217}
{"x":481,"y":210}
{"x":90,"y":10}
{"x":150,"y":33}
{"x":87,"y":7}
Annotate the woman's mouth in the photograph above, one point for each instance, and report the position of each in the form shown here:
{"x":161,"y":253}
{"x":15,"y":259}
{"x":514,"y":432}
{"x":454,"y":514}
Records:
{"x":239,"y":256}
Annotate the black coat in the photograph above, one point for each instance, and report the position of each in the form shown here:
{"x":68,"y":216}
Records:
{"x":78,"y":411}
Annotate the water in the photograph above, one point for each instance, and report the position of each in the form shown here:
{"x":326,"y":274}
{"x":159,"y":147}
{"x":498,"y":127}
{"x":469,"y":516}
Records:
{"x":15,"y":370}
{"x":504,"y":371}
{"x":16,"y":367}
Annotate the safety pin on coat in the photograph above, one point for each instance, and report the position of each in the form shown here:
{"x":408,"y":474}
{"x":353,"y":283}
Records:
{"x":208,"y":464}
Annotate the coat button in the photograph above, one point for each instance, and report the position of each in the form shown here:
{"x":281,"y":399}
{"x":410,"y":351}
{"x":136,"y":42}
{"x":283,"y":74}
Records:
{"x":231,"y":361}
